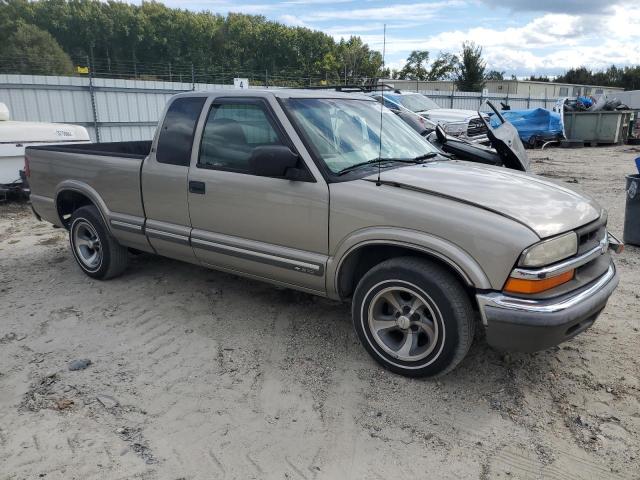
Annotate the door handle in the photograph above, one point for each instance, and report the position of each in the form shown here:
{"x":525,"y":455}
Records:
{"x":197,"y":187}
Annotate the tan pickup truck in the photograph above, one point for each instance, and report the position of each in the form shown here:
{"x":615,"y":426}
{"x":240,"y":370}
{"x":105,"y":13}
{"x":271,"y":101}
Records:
{"x":334,"y":195}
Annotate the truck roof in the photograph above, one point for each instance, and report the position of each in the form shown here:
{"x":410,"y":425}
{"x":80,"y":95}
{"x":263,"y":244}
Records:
{"x":276,"y":92}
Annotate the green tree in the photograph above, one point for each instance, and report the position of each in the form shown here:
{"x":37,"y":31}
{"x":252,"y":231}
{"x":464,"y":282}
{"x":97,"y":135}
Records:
{"x":415,"y":68}
{"x":494,"y":75}
{"x":576,"y":75}
{"x":357,"y":60}
{"x":539,"y":78}
{"x":470,"y":71}
{"x":443,"y":67}
{"x":31,"y":50}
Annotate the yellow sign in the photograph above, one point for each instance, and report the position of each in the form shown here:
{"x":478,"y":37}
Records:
{"x":80,"y":69}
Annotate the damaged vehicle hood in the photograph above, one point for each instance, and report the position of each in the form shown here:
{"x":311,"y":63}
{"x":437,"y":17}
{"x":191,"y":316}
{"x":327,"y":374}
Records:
{"x":545,"y":207}
{"x":449,"y":115}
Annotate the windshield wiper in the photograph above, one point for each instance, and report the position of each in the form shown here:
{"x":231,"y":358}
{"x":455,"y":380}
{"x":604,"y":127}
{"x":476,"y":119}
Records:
{"x":426,"y":156}
{"x":374,"y":161}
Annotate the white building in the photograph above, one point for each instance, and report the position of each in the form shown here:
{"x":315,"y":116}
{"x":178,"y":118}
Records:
{"x":520,"y":88}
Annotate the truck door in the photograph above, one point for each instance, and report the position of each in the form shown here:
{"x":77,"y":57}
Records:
{"x":270,"y":228}
{"x":164,"y":180}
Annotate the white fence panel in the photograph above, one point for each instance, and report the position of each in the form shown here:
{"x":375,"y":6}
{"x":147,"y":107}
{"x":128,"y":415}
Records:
{"x":123,"y":110}
{"x":473,"y":100}
{"x":119,"y":109}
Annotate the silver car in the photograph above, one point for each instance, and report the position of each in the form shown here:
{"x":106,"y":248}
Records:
{"x":464,"y":124}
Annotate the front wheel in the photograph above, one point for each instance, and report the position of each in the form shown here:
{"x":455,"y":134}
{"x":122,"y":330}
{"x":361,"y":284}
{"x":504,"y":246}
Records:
{"x":413,"y":317}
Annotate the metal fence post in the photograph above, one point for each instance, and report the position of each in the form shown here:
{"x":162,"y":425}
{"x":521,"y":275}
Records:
{"x":546,"y":101}
{"x":193,"y":78}
{"x":94,"y":109}
{"x":135,"y":65}
{"x":453,"y":91}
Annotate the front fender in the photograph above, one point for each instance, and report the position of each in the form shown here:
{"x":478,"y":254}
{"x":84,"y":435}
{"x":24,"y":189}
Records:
{"x":453,"y":255}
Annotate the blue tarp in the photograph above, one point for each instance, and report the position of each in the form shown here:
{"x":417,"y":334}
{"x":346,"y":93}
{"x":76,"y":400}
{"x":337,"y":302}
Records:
{"x":537,"y":122}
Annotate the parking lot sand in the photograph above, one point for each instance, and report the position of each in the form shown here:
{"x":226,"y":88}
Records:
{"x":200,"y":374}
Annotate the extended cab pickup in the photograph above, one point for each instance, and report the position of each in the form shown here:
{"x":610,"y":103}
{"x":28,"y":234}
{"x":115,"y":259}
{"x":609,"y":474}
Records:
{"x":333,"y":194}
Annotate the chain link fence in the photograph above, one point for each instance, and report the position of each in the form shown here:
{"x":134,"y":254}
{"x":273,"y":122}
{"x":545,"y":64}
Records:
{"x":168,"y":72}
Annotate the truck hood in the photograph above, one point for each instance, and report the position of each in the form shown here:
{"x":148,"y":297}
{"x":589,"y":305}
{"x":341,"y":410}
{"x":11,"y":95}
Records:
{"x":449,"y":115}
{"x":545,"y":207}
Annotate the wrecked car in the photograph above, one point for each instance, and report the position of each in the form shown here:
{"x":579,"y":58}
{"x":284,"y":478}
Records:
{"x":505,"y":150}
{"x":464,"y":124}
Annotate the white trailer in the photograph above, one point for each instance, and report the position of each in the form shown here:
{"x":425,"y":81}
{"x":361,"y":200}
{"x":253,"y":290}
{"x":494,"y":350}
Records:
{"x":15,"y":136}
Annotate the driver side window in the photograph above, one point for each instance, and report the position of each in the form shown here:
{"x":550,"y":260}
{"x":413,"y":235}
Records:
{"x":231,"y":133}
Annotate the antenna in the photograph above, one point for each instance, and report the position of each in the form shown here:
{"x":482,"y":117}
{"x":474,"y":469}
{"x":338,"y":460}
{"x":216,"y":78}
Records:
{"x":384,"y":47}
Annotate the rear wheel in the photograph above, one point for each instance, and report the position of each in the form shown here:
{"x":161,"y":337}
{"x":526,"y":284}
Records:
{"x":96,"y":251}
{"x":413,"y":317}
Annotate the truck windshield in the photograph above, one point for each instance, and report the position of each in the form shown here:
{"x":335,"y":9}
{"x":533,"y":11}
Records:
{"x":346,"y":132}
{"x":416,"y":102}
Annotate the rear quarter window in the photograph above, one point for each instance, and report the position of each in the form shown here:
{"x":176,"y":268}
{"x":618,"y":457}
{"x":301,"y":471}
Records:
{"x":176,"y":134}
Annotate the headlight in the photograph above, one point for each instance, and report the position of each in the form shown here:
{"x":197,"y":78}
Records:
{"x":550,"y":251}
{"x":455,"y":128}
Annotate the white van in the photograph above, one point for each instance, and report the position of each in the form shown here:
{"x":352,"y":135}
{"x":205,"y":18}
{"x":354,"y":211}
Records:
{"x":15,"y":136}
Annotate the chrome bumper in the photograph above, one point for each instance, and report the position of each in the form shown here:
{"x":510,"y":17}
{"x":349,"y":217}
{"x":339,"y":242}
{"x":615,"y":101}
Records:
{"x":515,"y":323}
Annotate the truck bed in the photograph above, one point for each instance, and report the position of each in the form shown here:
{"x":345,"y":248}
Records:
{"x":135,"y":149}
{"x":110,"y":170}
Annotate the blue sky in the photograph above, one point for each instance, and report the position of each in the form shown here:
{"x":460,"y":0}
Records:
{"x":518,"y":36}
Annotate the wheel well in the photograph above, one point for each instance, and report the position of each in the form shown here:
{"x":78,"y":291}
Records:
{"x":67,"y":202}
{"x":360,"y":261}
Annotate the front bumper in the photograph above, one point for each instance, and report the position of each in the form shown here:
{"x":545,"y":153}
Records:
{"x":528,"y":325}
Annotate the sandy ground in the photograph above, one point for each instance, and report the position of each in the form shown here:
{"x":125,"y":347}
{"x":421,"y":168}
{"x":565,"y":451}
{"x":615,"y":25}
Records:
{"x":199,"y":374}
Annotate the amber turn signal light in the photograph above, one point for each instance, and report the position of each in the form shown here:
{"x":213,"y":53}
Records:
{"x":521,"y":285}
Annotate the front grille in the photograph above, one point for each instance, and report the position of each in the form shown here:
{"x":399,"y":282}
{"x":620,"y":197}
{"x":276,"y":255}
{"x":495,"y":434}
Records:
{"x":591,"y":235}
{"x":476,"y":128}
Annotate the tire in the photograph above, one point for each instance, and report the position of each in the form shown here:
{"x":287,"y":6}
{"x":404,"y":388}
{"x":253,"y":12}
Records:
{"x":96,"y":251}
{"x":432,"y":335}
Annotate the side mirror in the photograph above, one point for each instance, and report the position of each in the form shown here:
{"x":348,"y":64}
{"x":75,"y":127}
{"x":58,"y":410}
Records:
{"x":274,"y":161}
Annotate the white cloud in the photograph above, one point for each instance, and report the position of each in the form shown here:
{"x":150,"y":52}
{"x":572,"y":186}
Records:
{"x":552,"y":42}
{"x":316,"y":2}
{"x":293,"y":21}
{"x":223,"y":6}
{"x":555,"y":6}
{"x":413,"y":11}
